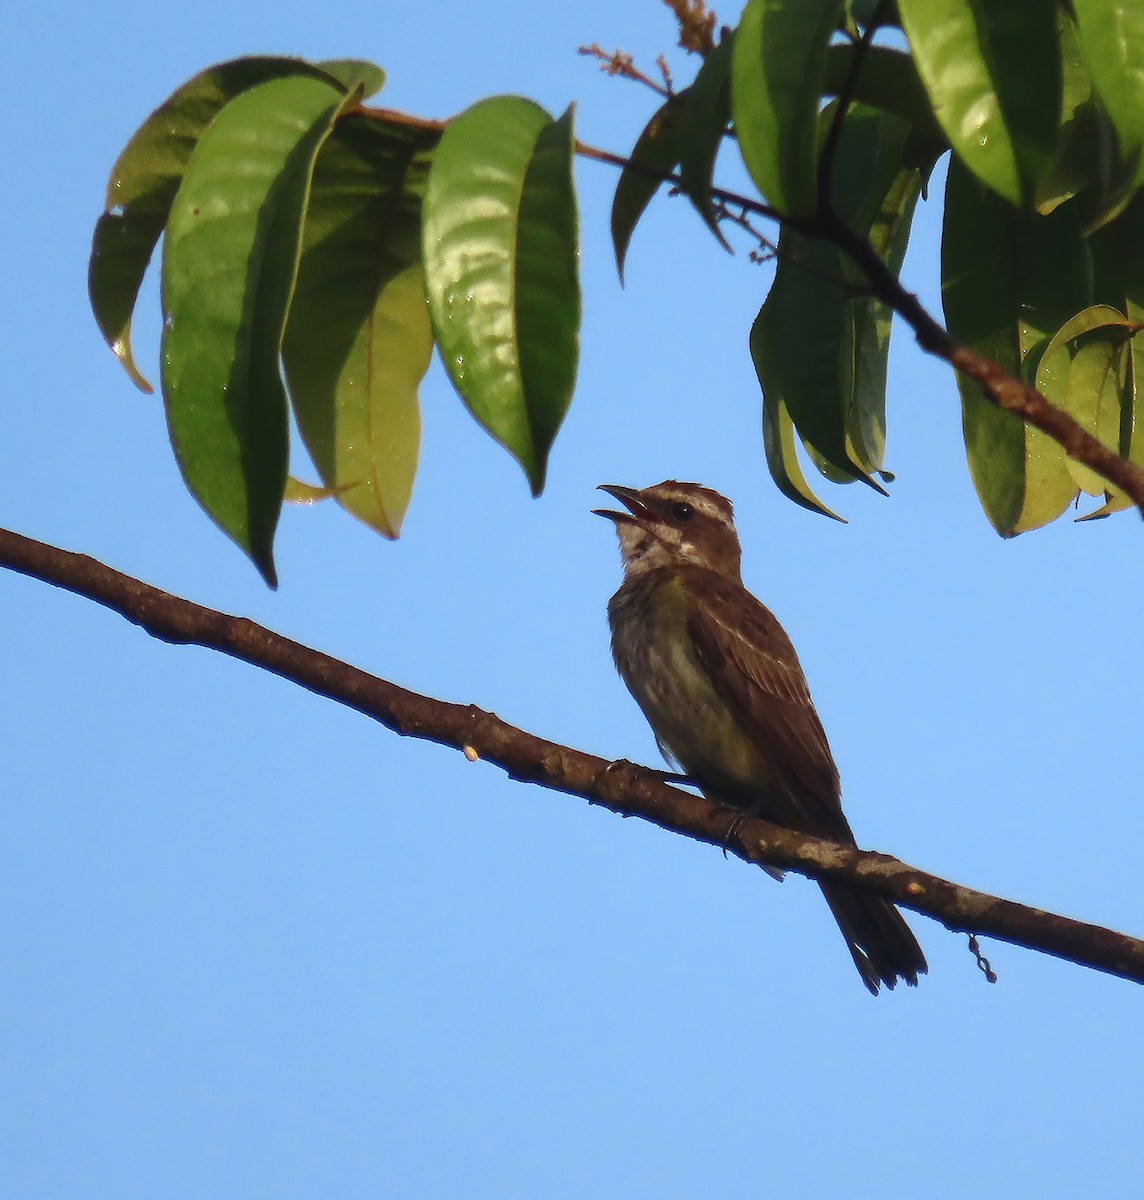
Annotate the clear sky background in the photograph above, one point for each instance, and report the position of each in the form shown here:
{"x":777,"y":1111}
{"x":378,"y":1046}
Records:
{"x":253,"y":945}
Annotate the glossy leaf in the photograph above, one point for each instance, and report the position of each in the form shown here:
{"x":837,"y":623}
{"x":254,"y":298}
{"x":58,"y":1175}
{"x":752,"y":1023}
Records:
{"x":1009,"y":282}
{"x":499,"y":239}
{"x":825,"y":340}
{"x":780,"y":441}
{"x":705,"y":114}
{"x":993,"y":73}
{"x":229,"y":262}
{"x":778,"y":77}
{"x":358,"y":340}
{"x":1112,"y":41}
{"x":147,"y":174}
{"x":888,"y":80}
{"x":657,"y":151}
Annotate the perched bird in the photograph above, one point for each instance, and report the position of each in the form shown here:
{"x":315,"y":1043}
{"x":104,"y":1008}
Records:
{"x":721,"y":686}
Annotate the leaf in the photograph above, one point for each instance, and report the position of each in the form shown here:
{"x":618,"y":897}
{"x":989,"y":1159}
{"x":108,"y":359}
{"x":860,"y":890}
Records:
{"x":825,"y":339}
{"x":1112,"y":41}
{"x":888,"y":80}
{"x":1118,"y":252}
{"x":499,"y":238}
{"x":779,"y":441}
{"x":299,"y":492}
{"x":1086,"y":370}
{"x":875,"y":190}
{"x":1096,"y":382}
{"x":706,"y":111}
{"x":358,"y":339}
{"x":655,"y":153}
{"x":352,"y":73}
{"x":1009,"y":281}
{"x":992,"y":70}
{"x":230,"y":257}
{"x":777,"y":78}
{"x":146,"y":177}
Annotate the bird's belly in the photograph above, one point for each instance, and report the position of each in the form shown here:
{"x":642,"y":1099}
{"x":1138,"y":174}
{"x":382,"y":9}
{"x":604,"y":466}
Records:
{"x":692,"y":722}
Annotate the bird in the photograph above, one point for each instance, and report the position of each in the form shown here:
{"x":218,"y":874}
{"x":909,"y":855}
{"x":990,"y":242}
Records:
{"x":720,"y":683}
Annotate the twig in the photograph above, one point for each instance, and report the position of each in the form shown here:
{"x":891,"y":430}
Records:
{"x":620,"y":787}
{"x":618,"y":63}
{"x":842,"y":107}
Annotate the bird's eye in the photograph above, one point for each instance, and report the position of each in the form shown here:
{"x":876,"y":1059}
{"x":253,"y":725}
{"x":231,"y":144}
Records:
{"x":682,"y":511}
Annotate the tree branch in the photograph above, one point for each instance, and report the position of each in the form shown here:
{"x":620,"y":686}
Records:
{"x":623,"y":788}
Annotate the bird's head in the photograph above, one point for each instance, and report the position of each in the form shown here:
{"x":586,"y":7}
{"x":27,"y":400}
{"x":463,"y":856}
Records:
{"x":674,"y":524}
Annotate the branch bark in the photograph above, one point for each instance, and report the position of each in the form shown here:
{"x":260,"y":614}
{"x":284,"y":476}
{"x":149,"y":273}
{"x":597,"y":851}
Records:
{"x":621,"y":787}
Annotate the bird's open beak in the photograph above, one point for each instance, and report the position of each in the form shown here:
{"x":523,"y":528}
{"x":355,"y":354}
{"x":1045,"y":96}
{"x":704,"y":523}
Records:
{"x":629,"y":498}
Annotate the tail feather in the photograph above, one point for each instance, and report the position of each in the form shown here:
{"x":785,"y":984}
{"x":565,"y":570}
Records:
{"x":881,"y":943}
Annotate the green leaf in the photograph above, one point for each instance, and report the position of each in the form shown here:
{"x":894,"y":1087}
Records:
{"x":230,"y":257}
{"x":499,"y":238}
{"x":1118,"y":252}
{"x":299,"y":492}
{"x":779,"y":440}
{"x":888,"y":80}
{"x":875,"y":191}
{"x":1086,"y":370}
{"x":1009,"y":281}
{"x":706,"y":111}
{"x":358,"y":340}
{"x":1096,"y":382}
{"x":992,"y":69}
{"x":655,"y":153}
{"x":353,"y":73}
{"x":146,"y":177}
{"x":1112,"y":41}
{"x":804,"y":328}
{"x":821,"y":341}
{"x":777,"y":78}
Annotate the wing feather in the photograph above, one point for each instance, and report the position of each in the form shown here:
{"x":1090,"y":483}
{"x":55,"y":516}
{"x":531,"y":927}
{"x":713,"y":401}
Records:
{"x":755,"y":671}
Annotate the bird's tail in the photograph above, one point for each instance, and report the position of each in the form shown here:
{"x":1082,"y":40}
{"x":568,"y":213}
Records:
{"x":880,"y":942}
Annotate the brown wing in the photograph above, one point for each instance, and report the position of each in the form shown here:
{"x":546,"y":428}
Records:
{"x":756,"y":672}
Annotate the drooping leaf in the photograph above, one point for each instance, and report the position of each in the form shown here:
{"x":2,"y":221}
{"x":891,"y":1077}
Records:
{"x":1112,"y":42}
{"x":358,"y":339}
{"x":499,"y":238}
{"x":706,"y":111}
{"x":777,"y":80}
{"x":656,"y":152}
{"x":147,"y":174}
{"x":993,"y":73}
{"x":821,"y":340}
{"x":1009,"y":281}
{"x":780,"y":441}
{"x":229,"y":262}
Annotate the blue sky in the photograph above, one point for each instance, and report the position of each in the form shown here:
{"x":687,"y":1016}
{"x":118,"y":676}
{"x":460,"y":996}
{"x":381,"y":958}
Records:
{"x":255,"y":946}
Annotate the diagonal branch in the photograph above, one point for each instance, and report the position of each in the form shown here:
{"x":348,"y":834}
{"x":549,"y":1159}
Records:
{"x":623,"y":788}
